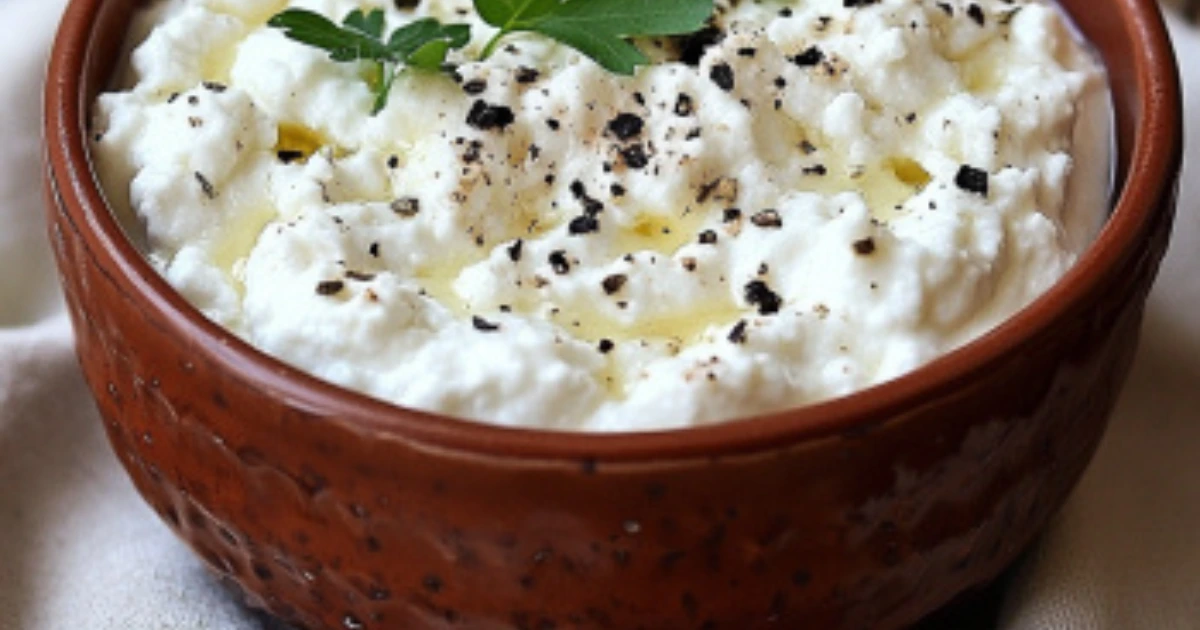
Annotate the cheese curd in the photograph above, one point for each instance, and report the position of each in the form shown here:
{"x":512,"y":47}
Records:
{"x":801,"y":201}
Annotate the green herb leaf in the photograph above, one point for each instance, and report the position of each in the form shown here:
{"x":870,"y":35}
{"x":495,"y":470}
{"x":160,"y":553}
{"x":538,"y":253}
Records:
{"x":431,"y":56}
{"x":314,"y":29}
{"x":422,"y":44}
{"x":369,"y":24}
{"x":408,"y":39}
{"x":597,"y":28}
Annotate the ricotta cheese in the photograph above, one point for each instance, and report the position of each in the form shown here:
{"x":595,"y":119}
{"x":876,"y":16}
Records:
{"x":804,"y":200}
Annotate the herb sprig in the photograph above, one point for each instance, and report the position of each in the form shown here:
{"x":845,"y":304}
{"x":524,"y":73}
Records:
{"x":597,"y":28}
{"x":422,"y":44}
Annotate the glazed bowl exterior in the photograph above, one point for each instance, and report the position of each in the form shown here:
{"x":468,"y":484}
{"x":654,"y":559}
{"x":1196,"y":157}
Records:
{"x":335,"y":511}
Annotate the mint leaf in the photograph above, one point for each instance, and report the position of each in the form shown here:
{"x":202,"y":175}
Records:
{"x":597,"y":28}
{"x":422,"y":44}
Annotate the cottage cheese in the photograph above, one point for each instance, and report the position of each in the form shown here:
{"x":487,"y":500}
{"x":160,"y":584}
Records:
{"x":814,"y":198}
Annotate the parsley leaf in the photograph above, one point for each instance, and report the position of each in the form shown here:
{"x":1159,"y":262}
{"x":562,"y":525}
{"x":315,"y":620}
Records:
{"x":422,"y":44}
{"x":596,"y":28}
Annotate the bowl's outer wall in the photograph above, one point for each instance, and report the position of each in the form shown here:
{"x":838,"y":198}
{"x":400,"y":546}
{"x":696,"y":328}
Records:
{"x":331,"y":525}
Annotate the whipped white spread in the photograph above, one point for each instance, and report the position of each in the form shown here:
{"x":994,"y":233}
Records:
{"x":805,"y":200}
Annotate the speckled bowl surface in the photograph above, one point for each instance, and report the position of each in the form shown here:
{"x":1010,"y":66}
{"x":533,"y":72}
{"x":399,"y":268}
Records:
{"x":336,"y":511}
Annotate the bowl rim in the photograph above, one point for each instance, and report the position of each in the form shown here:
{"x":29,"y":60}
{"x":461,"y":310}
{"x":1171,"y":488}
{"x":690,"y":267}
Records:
{"x":1155,"y":156}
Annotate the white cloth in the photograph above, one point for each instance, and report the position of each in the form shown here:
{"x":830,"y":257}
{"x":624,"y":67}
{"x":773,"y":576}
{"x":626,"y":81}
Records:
{"x":79,"y":551}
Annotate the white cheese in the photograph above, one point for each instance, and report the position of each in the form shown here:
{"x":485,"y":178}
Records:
{"x":827,"y":199}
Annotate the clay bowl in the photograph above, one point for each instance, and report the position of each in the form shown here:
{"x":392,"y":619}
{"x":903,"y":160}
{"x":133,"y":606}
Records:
{"x":332,"y":510}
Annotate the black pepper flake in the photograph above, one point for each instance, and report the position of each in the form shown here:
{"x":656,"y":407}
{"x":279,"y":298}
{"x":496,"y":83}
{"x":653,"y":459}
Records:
{"x":591,"y":206}
{"x":393,"y":161}
{"x":475,"y":87}
{"x":747,"y":52}
{"x":484,"y":326}
{"x":738,"y":333}
{"x":708,"y":237}
{"x":810,"y":57}
{"x":471,"y":154}
{"x":583,"y":224}
{"x":757,"y":293}
{"x":807,"y":147}
{"x":213,"y":86}
{"x":205,"y":186}
{"x":359,"y":276}
{"x":614,"y":283}
{"x":553,"y":124}
{"x":692,"y":50}
{"x":722,"y":75}
{"x":780,"y":82}
{"x":514,"y":250}
{"x":684,"y":105}
{"x":525,"y":74}
{"x":767,"y":219}
{"x":373,"y":250}
{"x":849,"y":4}
{"x":732,"y":214}
{"x":626,"y":126}
{"x":486,"y":117}
{"x":864,"y":247}
{"x":406,"y":4}
{"x":617,"y":190}
{"x":817,"y":169}
{"x":193,"y":100}
{"x":558,"y":262}
{"x":972,"y":179}
{"x":946,"y":8}
{"x":578,"y":190}
{"x":605,"y":346}
{"x":330,"y":287}
{"x":407,"y":207}
{"x":635,"y":156}
{"x":287,"y":156}
{"x":976,"y":14}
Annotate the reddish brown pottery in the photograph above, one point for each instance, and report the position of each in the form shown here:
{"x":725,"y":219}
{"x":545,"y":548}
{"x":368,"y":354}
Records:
{"x":335,"y":511}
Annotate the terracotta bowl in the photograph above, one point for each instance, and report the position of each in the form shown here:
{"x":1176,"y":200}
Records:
{"x":332,"y":510}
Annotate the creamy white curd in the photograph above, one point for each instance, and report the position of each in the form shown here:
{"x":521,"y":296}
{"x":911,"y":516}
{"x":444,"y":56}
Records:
{"x":808,"y":199}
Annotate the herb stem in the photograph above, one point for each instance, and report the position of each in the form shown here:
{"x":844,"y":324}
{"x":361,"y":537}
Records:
{"x":385,"y":89}
{"x":492,"y":44}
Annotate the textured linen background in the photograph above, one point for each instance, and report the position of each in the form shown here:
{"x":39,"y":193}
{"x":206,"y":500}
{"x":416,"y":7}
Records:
{"x":79,"y":551}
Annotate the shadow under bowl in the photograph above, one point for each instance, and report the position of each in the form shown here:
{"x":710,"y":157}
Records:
{"x":333,"y":510}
